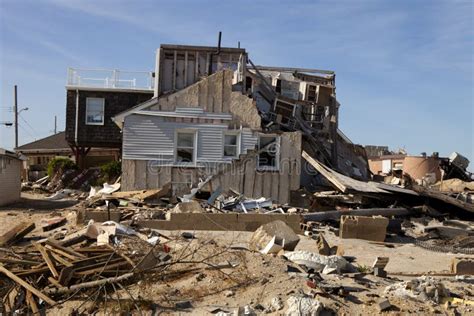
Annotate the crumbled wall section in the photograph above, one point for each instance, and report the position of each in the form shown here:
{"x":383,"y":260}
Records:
{"x":245,"y":110}
{"x":214,"y":94}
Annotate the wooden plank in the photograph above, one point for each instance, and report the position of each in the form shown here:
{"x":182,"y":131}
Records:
{"x":61,"y":260}
{"x":27,"y":286}
{"x":65,"y":251}
{"x":54,"y":282}
{"x":18,"y":261}
{"x":340,"y":181}
{"x":186,"y":68}
{"x":140,"y":174}
{"x":250,"y":165}
{"x":66,"y":275}
{"x":48,"y":259}
{"x":16,"y":233}
{"x":275,"y":187}
{"x":257,"y":189}
{"x":32,"y":303}
{"x":267,"y":185}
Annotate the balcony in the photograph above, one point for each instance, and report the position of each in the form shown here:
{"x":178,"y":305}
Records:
{"x":110,"y":79}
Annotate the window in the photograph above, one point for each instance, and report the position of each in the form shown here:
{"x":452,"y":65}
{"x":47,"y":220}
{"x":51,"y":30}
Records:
{"x":269,"y":152}
{"x":185,"y":146}
{"x":94,"y":111}
{"x":231,"y":145}
{"x":278,"y":86}
{"x":311,"y":93}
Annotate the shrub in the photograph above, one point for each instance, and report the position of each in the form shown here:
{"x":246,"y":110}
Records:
{"x":111,"y":170}
{"x":59,"y":163}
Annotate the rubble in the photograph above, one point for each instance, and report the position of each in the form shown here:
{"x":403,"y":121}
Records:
{"x":276,"y":232}
{"x":303,"y":305}
{"x":424,"y":289}
{"x":319,"y":262}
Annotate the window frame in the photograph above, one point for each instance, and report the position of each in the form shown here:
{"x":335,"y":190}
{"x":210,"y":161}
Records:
{"x":175,"y":146}
{"x":277,"y":155}
{"x":237,"y":145}
{"x":103,"y":111}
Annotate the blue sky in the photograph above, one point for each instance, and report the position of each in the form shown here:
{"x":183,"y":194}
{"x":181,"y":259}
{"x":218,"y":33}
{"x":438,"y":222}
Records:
{"x":404,"y":69}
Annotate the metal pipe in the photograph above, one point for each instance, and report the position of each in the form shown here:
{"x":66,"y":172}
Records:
{"x":15,"y":110}
{"x":77,"y":117}
{"x":336,"y":215}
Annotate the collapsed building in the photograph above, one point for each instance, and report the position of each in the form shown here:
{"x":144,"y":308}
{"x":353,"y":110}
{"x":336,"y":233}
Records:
{"x":217,"y":117}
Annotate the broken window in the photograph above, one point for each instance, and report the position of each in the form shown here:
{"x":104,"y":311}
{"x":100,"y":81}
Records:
{"x":269,"y":152}
{"x":95,"y":111}
{"x":185,"y":146}
{"x":311,"y":94}
{"x":278,"y":86}
{"x":231,"y":145}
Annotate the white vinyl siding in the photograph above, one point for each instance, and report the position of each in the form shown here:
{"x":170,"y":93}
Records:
{"x":148,"y":137}
{"x":10,"y":180}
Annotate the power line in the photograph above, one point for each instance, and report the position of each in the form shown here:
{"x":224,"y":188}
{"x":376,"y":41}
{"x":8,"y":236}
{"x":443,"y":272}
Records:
{"x":26,"y":131}
{"x":27,"y":124}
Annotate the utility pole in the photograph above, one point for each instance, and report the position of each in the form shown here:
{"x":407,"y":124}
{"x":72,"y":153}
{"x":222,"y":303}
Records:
{"x":15,"y":110}
{"x":55,"y":124}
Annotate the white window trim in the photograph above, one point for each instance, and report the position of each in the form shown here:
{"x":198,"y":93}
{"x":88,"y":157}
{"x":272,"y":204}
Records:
{"x":238,"y":145}
{"x":195,"y":145}
{"x":277,"y":165}
{"x":103,"y":111}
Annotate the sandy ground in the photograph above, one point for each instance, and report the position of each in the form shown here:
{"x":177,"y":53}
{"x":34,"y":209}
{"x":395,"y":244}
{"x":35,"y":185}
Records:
{"x":257,"y":278}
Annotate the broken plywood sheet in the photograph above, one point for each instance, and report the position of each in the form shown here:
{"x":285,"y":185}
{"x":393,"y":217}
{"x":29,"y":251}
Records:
{"x":340,"y":181}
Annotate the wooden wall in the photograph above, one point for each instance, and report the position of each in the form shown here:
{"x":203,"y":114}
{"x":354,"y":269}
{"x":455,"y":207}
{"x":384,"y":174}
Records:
{"x":241,"y":175}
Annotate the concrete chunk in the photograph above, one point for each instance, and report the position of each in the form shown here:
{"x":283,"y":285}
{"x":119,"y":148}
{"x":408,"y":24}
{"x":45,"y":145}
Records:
{"x":362,"y":227}
{"x":462,"y":266}
{"x":278,"y":229}
{"x":188,"y":207}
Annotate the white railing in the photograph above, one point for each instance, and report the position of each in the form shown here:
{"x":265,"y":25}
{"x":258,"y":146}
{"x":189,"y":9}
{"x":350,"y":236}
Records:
{"x":110,"y":79}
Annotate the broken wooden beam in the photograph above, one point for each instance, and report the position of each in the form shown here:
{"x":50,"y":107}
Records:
{"x":27,"y":286}
{"x":48,"y":259}
{"x":16,"y":233}
{"x":85,"y":285}
{"x":53,"y":223}
{"x":336,"y":215}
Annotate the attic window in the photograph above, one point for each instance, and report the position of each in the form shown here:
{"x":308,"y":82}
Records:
{"x":95,"y":111}
{"x":269,"y":152}
{"x":185,"y":146}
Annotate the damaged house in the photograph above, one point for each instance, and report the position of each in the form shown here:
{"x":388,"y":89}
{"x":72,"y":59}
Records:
{"x":217,"y":118}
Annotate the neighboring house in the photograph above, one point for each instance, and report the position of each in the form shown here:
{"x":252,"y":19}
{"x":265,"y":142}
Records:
{"x":10,"y":177}
{"x":215,"y":114}
{"x":93,"y":98}
{"x":40,"y":152}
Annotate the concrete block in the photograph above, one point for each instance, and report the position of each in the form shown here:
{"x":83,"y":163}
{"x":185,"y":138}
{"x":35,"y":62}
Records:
{"x":220,"y":221}
{"x":363,"y":227}
{"x":379,"y":272}
{"x":384,"y":305}
{"x":101,"y":216}
{"x":276,"y":229}
{"x":462,"y":266}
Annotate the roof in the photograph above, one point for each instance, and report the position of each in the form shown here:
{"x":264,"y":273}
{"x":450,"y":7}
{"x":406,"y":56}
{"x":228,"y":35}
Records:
{"x":202,"y":48}
{"x":8,"y":153}
{"x":56,"y":142}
